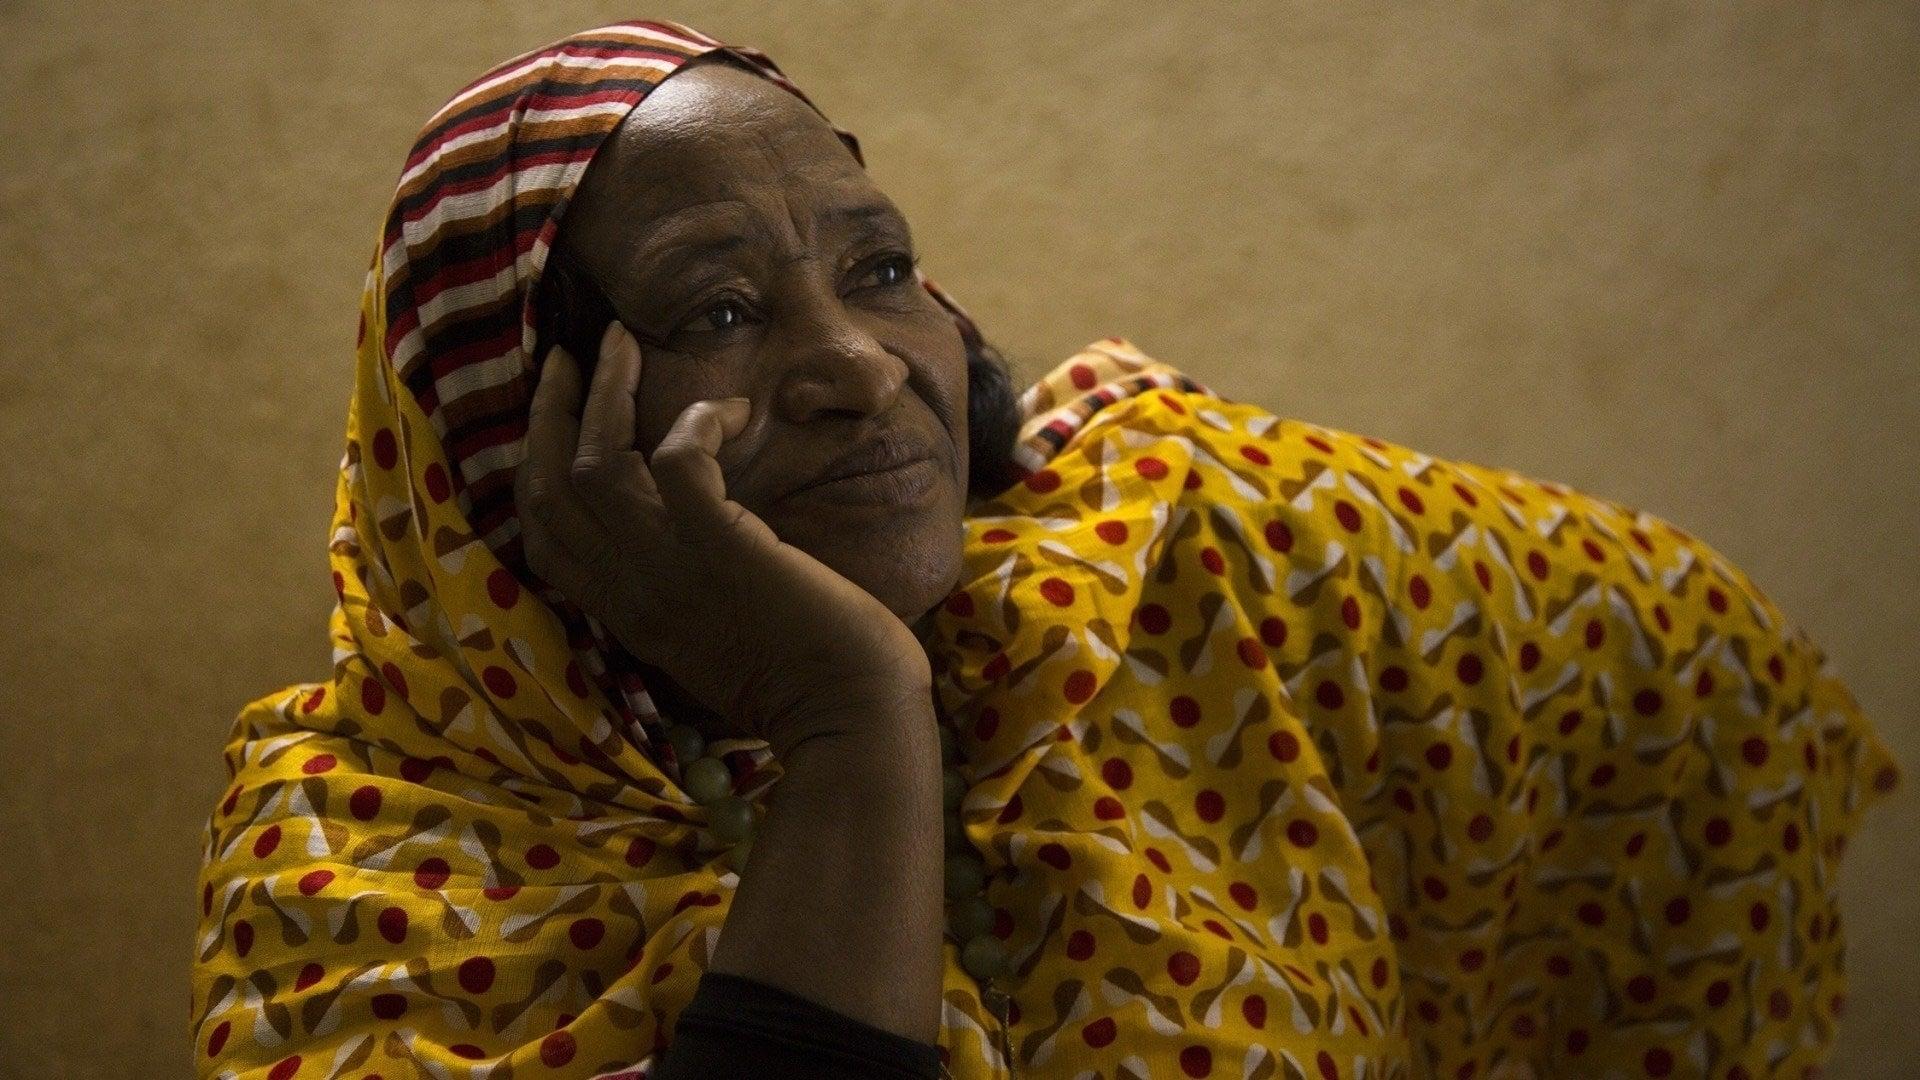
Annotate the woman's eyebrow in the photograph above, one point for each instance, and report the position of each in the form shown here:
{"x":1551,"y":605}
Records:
{"x":864,"y":214}
{"x":871,"y":221}
{"x":676,"y":245}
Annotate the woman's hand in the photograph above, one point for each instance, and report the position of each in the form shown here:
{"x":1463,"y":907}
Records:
{"x":763,"y":634}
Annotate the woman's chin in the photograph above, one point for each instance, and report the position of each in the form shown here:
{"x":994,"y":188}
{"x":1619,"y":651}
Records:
{"x":910,"y":563}
{"x":911,"y":585}
{"x":906,"y":555}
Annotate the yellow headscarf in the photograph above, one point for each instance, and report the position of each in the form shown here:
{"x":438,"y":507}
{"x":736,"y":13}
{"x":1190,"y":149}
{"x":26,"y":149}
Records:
{"x":1291,"y":752}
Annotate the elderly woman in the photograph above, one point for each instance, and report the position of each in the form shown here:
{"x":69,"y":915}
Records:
{"x":694,"y":554}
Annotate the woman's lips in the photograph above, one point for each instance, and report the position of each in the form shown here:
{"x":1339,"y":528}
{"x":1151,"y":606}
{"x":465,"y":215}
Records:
{"x":902,"y":485}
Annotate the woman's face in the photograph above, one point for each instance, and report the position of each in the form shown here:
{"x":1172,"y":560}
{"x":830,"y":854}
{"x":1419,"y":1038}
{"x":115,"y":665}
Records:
{"x":754,"y":257}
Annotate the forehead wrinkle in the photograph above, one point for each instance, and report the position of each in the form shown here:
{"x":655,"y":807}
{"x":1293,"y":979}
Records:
{"x":767,"y":148}
{"x":681,"y":237}
{"x":700,"y":138}
{"x":683,"y":232}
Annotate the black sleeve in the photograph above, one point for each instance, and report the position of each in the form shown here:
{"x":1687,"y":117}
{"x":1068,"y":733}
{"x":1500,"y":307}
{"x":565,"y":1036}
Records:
{"x":736,"y":1026}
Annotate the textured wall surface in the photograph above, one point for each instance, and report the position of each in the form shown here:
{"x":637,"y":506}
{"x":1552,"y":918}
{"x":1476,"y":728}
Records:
{"x":1665,"y":252}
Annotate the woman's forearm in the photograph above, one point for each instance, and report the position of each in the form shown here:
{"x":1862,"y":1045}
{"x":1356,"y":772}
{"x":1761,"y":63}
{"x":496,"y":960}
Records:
{"x":840,"y":899}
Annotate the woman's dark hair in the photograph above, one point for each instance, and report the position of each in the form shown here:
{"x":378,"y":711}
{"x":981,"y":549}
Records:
{"x":572,"y":312}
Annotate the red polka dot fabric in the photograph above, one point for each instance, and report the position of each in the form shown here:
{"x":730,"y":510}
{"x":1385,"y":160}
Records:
{"x":1290,"y":752}
{"x":1299,"y":753}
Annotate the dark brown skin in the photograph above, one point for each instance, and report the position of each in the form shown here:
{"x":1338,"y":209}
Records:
{"x":801,"y":318}
{"x":669,"y":515}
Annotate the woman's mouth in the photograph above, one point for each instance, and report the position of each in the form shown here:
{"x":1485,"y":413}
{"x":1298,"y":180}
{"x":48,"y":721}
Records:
{"x":906,"y":484}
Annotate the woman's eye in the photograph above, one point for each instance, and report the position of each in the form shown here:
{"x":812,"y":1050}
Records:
{"x":893,"y":270}
{"x":724,"y":315}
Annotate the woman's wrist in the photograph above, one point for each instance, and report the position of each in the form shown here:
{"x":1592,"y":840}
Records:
{"x":871,"y":715}
{"x":840,"y":899}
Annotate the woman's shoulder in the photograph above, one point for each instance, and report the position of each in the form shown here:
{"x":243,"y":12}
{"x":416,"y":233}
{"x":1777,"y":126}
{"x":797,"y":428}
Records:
{"x":1095,"y":386}
{"x":1114,"y":395}
{"x":1164,"y":497}
{"x":1149,"y":430}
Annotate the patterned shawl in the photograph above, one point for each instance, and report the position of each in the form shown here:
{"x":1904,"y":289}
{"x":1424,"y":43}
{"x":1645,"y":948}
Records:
{"x":1291,"y":752}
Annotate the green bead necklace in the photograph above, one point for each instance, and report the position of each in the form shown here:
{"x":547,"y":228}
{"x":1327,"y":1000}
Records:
{"x":969,"y":916}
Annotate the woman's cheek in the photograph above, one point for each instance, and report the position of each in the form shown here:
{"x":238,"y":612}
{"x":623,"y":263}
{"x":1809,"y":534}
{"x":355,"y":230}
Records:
{"x":666,"y":389}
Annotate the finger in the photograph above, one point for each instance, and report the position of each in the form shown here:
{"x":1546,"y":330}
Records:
{"x":561,"y":540}
{"x":542,"y":486}
{"x":552,"y":431}
{"x":606,"y":463}
{"x":690,"y":480}
{"x":549,"y":557}
{"x":570,"y":551}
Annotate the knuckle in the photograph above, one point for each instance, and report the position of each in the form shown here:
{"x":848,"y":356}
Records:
{"x":588,"y":470}
{"x":671,"y":455}
{"x":732,"y":515}
{"x":689,"y":421}
{"x":537,"y":501}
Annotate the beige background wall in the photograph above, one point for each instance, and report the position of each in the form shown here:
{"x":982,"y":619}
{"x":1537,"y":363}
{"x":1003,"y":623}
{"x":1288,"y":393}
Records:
{"x":1665,"y":252}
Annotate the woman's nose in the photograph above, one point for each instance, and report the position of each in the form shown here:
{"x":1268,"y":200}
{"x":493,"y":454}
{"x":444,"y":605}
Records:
{"x":831,"y":363}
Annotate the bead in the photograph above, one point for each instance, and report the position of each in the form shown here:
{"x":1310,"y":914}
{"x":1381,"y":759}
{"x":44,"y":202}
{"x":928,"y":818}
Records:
{"x":687,"y":742}
{"x":707,"y":779}
{"x":737,"y":855}
{"x":966,"y":874}
{"x":731,"y":819}
{"x":953,"y":788}
{"x":985,"y":957}
{"x":949,"y":746}
{"x":956,"y":833}
{"x":969,"y":918}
